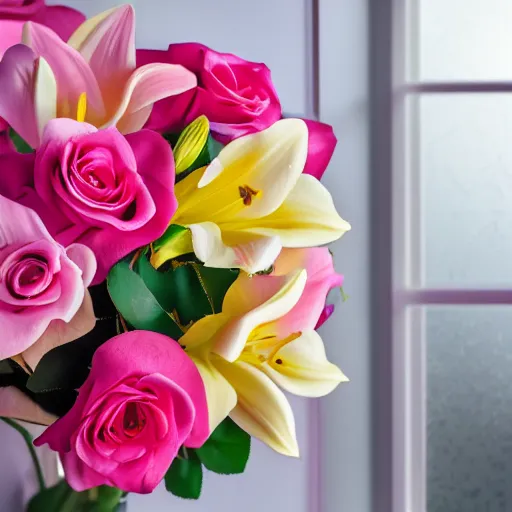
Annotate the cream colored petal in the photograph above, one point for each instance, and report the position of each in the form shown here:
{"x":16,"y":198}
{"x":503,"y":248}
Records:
{"x":232,"y":338}
{"x":307,"y":218}
{"x":59,"y":333}
{"x":301,"y":367}
{"x":84,"y":31}
{"x":264,"y":165}
{"x":254,"y":256}
{"x":45,"y":94}
{"x":15,"y":404}
{"x":203,"y":331}
{"x":262,"y":409}
{"x":220,"y":395}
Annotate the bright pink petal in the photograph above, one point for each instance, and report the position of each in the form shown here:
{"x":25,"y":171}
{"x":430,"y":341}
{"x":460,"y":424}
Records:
{"x":321,"y":145}
{"x":73,"y":74}
{"x":155,"y":165}
{"x":145,"y":86}
{"x":17,"y":83}
{"x":10,"y":34}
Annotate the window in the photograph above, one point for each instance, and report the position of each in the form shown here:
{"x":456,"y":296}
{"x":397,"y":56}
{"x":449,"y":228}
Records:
{"x":443,"y":253}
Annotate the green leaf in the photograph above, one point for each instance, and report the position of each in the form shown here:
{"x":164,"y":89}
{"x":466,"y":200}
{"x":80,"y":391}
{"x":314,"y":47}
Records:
{"x":136,"y":303}
{"x":59,"y":498}
{"x":108,"y":499}
{"x":20,"y":145}
{"x":216,"y":282}
{"x":227,"y":449}
{"x":185,"y":476}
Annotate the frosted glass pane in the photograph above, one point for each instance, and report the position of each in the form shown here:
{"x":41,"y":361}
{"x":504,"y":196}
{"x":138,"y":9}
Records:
{"x":469,"y":375}
{"x":465,"y":159}
{"x":464,"y":39}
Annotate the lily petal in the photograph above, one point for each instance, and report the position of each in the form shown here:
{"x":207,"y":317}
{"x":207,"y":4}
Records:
{"x":307,"y":218}
{"x":146,"y":85}
{"x":232,"y":338}
{"x":107,"y":43}
{"x":73,"y":74}
{"x":301,"y":367}
{"x":254,"y":256}
{"x":17,"y":83}
{"x":59,"y":333}
{"x":45,"y":94}
{"x":262,"y":409}
{"x":220,"y":395}
{"x":15,"y":404}
{"x":202,"y":332}
{"x":266,"y":164}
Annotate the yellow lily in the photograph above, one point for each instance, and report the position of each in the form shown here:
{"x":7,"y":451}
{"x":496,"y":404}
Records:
{"x":252,"y":200}
{"x":245,"y":352}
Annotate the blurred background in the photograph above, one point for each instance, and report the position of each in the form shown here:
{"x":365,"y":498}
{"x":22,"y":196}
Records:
{"x":419,"y":95}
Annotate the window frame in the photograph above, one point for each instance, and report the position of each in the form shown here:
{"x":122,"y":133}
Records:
{"x":398,"y":329}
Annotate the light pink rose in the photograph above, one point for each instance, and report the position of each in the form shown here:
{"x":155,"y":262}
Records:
{"x":41,"y":282}
{"x":111,"y":192}
{"x":237,"y":96}
{"x":143,"y":399}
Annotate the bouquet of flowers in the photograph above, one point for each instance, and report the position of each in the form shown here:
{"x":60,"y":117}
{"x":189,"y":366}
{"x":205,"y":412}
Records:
{"x":162,"y":260}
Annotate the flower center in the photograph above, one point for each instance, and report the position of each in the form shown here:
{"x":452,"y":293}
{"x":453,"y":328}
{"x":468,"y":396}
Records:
{"x":29,"y":277}
{"x":134,"y":420}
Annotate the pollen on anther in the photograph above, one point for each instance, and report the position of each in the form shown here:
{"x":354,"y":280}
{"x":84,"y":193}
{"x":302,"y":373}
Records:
{"x":279,"y":361}
{"x":246,"y":193}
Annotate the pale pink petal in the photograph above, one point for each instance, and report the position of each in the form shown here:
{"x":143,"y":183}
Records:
{"x":19,"y":225}
{"x":74,"y":76}
{"x":17,"y":83}
{"x":84,"y":259}
{"x":59,"y":333}
{"x":15,"y":404}
{"x":146,"y":85}
{"x":107,"y":43}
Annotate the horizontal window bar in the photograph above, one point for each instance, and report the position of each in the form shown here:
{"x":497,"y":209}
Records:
{"x":455,"y":87}
{"x":456,"y":297}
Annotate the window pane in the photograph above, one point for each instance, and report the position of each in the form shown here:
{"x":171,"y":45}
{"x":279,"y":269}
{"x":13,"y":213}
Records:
{"x":463,"y":39}
{"x":469,"y":431}
{"x":465,"y":160}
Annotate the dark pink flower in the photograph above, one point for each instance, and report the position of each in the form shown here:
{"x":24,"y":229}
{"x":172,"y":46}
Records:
{"x":236,"y":95}
{"x":110,"y":192}
{"x":63,"y":20}
{"x":143,"y":399}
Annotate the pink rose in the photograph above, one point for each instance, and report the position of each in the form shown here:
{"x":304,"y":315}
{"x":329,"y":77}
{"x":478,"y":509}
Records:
{"x":143,"y":399}
{"x":111,"y":192}
{"x":14,"y":13}
{"x":41,"y":282}
{"x":236,"y":95}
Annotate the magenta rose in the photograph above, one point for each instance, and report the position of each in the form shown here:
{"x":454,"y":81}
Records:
{"x":143,"y":400}
{"x":237,"y":96}
{"x":40,"y":281}
{"x":111,"y":192}
{"x":63,"y":20}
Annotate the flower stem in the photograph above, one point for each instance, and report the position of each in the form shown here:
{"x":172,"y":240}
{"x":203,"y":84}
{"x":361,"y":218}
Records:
{"x":28,"y":441}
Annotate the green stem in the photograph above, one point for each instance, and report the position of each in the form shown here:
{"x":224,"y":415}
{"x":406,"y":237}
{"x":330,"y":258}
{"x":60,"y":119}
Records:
{"x":28,"y":441}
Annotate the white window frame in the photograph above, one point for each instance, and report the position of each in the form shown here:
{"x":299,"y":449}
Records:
{"x":400,"y":475}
